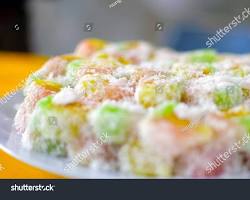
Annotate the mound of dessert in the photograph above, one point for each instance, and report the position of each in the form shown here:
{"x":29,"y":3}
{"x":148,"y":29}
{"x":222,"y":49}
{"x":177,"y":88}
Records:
{"x":141,"y":110}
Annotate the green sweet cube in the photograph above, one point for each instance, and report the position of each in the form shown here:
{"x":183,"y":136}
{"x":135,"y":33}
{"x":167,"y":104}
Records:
{"x":113,"y":120}
{"x":53,"y":128}
{"x":165,"y":109}
{"x":72,"y":69}
{"x":227,"y":97}
{"x":203,"y":56}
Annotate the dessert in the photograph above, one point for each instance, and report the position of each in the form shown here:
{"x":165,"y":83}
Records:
{"x":164,"y":113}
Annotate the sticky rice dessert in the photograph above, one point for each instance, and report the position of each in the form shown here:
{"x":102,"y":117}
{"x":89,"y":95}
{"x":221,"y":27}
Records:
{"x":140,"y":110}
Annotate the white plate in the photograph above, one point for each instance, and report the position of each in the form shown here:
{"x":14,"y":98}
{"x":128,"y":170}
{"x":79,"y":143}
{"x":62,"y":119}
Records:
{"x":10,"y":143}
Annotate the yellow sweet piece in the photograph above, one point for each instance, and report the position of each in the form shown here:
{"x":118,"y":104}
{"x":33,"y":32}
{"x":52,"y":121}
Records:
{"x":70,"y":57}
{"x":96,"y":43}
{"x":124,"y":46}
{"x":104,"y":59}
{"x":123,"y":60}
{"x":93,"y":85}
{"x":50,"y":85}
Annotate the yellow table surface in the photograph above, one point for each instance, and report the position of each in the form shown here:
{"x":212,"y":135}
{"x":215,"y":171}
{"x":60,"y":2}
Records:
{"x":14,"y":68}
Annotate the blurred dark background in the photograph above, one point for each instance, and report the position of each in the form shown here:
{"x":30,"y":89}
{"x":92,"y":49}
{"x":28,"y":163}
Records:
{"x":12,"y":17}
{"x":55,"y":26}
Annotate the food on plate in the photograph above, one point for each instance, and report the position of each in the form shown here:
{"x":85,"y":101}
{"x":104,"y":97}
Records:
{"x":163,"y":113}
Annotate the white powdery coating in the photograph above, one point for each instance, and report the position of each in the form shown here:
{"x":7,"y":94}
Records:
{"x":184,"y":111}
{"x":245,"y":83}
{"x":125,"y":72}
{"x":26,"y":140}
{"x":143,"y":47}
{"x":162,"y":66}
{"x":225,"y":64}
{"x":65,"y":96}
{"x":200,"y":89}
{"x":145,"y":50}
